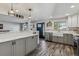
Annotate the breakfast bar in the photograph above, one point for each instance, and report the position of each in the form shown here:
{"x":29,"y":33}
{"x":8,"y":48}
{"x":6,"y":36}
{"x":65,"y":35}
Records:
{"x":17,"y":43}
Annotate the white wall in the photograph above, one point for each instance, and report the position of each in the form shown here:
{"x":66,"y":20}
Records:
{"x":11,"y":26}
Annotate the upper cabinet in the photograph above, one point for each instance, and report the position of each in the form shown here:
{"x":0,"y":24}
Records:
{"x":69,"y":21}
{"x":73,"y":21}
{"x":78,"y":20}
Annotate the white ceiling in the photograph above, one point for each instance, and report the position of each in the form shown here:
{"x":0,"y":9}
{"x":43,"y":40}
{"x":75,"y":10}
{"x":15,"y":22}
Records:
{"x":64,"y":8}
{"x":41,"y":10}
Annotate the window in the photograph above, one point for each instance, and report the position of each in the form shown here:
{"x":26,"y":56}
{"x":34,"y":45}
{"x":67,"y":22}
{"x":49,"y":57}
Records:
{"x":60,"y":25}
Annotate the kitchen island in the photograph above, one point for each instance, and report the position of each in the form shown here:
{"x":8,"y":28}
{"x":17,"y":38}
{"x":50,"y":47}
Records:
{"x":65,"y":37}
{"x":18,"y":43}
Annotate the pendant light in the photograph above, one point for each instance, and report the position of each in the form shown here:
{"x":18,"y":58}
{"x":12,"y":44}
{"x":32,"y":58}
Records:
{"x":11,"y":12}
{"x":29,"y":13}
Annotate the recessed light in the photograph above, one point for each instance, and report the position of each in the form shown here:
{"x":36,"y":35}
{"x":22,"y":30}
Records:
{"x":29,"y":17}
{"x":50,"y":17}
{"x":72,"y":6}
{"x":67,"y":14}
{"x":11,"y":11}
{"x":16,"y":10}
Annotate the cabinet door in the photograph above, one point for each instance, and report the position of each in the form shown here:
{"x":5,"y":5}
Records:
{"x":35,"y":42}
{"x":78,"y":21}
{"x":28,"y":44}
{"x":65,"y":39}
{"x":19,"y":47}
{"x":50,"y":37}
{"x":69,"y":21}
{"x":31,"y":44}
{"x":6,"y":49}
{"x":55,"y":38}
{"x":60,"y":39}
{"x":46,"y":36}
{"x":70,"y":40}
{"x":74,"y":21}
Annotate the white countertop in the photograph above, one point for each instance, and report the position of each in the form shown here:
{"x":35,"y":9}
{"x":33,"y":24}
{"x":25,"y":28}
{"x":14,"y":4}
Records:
{"x":15,"y":35}
{"x":60,"y":33}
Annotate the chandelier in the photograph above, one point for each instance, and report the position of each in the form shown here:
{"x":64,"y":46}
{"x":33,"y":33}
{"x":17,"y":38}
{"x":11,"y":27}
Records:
{"x":13,"y":12}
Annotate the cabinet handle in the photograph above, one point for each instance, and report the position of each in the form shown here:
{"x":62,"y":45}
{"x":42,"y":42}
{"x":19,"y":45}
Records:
{"x":13,"y":42}
{"x":32,"y":37}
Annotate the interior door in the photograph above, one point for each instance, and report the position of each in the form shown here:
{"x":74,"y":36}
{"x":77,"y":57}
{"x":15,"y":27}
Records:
{"x":40,"y":27}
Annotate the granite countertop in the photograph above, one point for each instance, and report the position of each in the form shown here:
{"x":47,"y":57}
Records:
{"x":15,"y":35}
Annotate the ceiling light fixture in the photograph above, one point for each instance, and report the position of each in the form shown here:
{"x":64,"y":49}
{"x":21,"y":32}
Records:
{"x":51,"y":17}
{"x":16,"y":10}
{"x":29,"y":17}
{"x":11,"y":12}
{"x":67,"y":14}
{"x":72,"y":6}
{"x":29,"y":13}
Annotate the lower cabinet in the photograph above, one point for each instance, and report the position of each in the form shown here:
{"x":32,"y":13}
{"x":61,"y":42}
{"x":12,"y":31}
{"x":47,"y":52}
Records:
{"x":68,"y":39}
{"x":46,"y":36}
{"x":49,"y":36}
{"x":31,"y":44}
{"x":6,"y":49}
{"x":55,"y":39}
{"x":60,"y":39}
{"x":19,"y":47}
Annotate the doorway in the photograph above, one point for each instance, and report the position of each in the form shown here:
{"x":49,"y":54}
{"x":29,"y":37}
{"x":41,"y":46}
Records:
{"x":40,"y":28}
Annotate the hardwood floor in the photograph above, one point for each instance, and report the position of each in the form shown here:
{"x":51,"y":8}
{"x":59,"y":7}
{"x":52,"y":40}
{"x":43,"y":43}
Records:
{"x":52,"y":49}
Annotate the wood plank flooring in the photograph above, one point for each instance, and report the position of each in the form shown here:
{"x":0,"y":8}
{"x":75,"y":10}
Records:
{"x":52,"y":49}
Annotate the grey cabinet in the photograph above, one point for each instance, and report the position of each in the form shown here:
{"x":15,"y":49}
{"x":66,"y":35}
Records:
{"x":46,"y":36}
{"x":31,"y":44}
{"x":35,"y":42}
{"x":60,"y":39}
{"x":19,"y":47}
{"x":55,"y":39}
{"x":68,"y":39}
{"x":49,"y":36}
{"x":65,"y":39}
{"x":28,"y":44}
{"x":13,"y":48}
{"x":6,"y":49}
